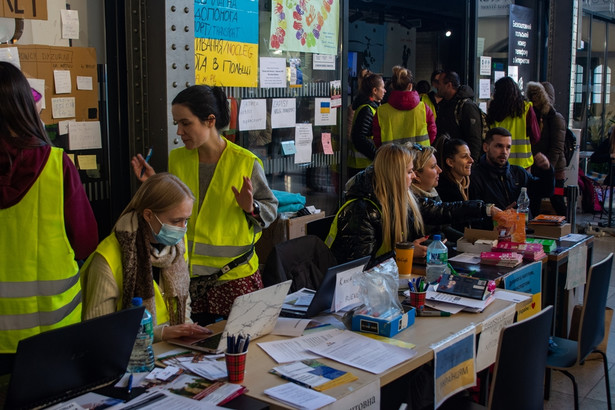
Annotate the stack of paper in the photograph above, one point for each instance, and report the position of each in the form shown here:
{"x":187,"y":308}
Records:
{"x":509,"y":259}
{"x":530,"y":251}
{"x":299,"y":397}
{"x":453,"y":304}
{"x":553,"y":220}
{"x":207,"y":366}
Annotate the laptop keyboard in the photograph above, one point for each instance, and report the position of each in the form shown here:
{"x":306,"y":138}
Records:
{"x":210,"y":343}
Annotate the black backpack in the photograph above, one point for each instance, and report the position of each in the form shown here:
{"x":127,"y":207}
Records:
{"x":483,"y":116}
{"x":570,"y":145}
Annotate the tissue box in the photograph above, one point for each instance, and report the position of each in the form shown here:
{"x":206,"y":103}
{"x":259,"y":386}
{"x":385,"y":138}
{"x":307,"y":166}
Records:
{"x":388,"y":327}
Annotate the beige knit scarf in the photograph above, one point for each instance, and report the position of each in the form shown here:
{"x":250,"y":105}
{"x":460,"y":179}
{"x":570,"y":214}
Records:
{"x":138,"y":256}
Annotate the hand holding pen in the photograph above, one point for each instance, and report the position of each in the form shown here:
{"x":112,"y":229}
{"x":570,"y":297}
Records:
{"x":141,"y":166}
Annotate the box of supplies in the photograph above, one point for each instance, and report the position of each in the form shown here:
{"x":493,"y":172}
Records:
{"x":549,"y":231}
{"x":387,"y":327}
{"x":477,"y":240}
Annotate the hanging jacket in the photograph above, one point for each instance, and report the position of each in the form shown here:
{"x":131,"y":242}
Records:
{"x":404,"y":118}
{"x":219,"y":230}
{"x":39,"y":279}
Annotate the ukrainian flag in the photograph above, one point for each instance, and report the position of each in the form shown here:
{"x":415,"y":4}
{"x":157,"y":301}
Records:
{"x":454,"y":368}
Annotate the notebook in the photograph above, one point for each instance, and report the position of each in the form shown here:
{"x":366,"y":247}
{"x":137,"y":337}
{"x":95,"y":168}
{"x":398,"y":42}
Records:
{"x":323,"y":296}
{"x":63,"y":363}
{"x":253,"y":314}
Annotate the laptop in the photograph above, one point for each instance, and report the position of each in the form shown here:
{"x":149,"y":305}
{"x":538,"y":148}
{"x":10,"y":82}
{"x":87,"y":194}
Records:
{"x":63,"y":363}
{"x":253,"y":314}
{"x":323,"y":296}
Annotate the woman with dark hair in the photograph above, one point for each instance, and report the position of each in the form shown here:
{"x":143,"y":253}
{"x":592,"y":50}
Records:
{"x":362,"y":150}
{"x":46,"y":219}
{"x":233,"y":202}
{"x":404,"y":117}
{"x":456,"y":162}
{"x":510,"y":110}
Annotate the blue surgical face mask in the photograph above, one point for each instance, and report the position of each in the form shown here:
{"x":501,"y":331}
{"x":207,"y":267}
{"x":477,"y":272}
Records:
{"x":169,"y":235}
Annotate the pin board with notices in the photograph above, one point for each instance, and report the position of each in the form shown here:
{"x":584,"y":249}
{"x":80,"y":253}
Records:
{"x":67,"y":79}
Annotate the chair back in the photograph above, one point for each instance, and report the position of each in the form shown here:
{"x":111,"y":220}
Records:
{"x":591,"y":329}
{"x":320,"y":227}
{"x":305,"y":260}
{"x":521,"y":362}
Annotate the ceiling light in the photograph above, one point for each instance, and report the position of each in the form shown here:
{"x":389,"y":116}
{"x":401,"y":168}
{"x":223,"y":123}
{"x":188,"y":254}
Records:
{"x":448,"y":33}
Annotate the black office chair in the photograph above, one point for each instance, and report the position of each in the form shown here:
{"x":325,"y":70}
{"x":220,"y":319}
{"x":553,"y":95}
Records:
{"x":305,"y":260}
{"x":519,"y":367}
{"x":568,"y":353}
{"x":320,"y":227}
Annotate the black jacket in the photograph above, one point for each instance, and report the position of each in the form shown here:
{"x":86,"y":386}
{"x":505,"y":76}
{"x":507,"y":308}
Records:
{"x":470,"y":128}
{"x":362,"y":127}
{"x":552,"y":138}
{"x":501,"y":186}
{"x":359,"y":223}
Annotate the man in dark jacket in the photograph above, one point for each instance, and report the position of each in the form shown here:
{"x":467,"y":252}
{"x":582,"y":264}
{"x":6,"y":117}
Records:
{"x":458,"y":114}
{"x":496,"y":181}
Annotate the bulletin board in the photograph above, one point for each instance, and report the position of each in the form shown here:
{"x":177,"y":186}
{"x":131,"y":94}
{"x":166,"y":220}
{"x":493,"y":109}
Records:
{"x":39,"y":62}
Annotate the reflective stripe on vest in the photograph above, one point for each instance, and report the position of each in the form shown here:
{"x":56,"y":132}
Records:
{"x":39,"y":281}
{"x":333,"y":230}
{"x":402,"y":126}
{"x":218,"y":231}
{"x":355,"y":158}
{"x":109,"y":249}
{"x":521,"y":149}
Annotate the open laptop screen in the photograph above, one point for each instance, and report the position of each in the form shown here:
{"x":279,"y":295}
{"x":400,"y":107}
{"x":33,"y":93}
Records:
{"x":63,"y":363}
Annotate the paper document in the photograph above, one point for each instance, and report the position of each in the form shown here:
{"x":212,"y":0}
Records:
{"x":362,"y":352}
{"x":291,"y":350}
{"x":466,"y":257}
{"x":510,"y":296}
{"x":299,"y":397}
{"x":287,"y":326}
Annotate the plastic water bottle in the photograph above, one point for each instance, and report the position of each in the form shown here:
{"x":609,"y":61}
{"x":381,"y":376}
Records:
{"x":437,"y":259}
{"x":142,"y":356}
{"x":523,"y":204}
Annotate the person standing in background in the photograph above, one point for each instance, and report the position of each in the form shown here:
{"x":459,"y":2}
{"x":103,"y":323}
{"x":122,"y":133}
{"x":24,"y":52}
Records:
{"x":510,"y":110}
{"x":233,"y":202}
{"x":552,"y":135}
{"x":362,"y":150}
{"x":430,"y":97}
{"x":47,"y":222}
{"x":458,"y":115}
{"x":404,"y":118}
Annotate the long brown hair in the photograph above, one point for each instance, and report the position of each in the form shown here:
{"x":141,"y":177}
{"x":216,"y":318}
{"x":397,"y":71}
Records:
{"x":390,"y":168}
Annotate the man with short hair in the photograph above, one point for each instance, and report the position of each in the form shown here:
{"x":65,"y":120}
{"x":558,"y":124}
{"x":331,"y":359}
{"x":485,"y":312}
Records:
{"x":458,"y":114}
{"x":495,"y":180}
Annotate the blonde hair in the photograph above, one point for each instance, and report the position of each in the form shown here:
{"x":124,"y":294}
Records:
{"x":402,"y":77}
{"x":421,"y":155}
{"x":390,"y":169}
{"x":160,"y":192}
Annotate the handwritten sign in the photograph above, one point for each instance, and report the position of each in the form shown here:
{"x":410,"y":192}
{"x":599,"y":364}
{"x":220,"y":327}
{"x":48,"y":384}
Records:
{"x":283,"y":112}
{"x":63,"y":107}
{"x":303,"y":143}
{"x":490,"y":337}
{"x":234,"y":20}
{"x":84,"y":135}
{"x":225,"y":63}
{"x":252,"y":115}
{"x":454,"y":365}
{"x":24,"y":9}
{"x":347,"y":291}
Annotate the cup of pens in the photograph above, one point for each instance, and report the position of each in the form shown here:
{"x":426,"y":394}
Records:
{"x":418,"y":291}
{"x":235,"y":357}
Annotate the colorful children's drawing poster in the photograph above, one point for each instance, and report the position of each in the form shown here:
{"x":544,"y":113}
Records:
{"x":368,"y":41}
{"x":310,"y":26}
{"x":226,"y":43}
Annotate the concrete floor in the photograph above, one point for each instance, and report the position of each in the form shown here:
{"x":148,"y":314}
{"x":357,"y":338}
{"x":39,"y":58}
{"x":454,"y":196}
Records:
{"x":589,"y":376}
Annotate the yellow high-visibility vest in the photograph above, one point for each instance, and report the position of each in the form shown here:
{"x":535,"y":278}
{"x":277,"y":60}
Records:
{"x":218,"y":231}
{"x":521,"y":150}
{"x":355,"y":158}
{"x":110,"y":249}
{"x":39,"y":279}
{"x":401,"y":126}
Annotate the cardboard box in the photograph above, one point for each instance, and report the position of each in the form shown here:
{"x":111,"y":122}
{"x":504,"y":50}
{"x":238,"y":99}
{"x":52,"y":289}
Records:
{"x":470,"y":236}
{"x":384,"y":327}
{"x":550,"y":231}
{"x":295,"y":227}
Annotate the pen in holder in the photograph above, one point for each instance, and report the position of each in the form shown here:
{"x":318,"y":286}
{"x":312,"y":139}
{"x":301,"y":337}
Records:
{"x":235,"y":357}
{"x":418,"y":291}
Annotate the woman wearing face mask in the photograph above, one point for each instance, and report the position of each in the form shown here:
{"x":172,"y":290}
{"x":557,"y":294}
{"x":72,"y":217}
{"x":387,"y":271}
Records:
{"x":145,"y":256}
